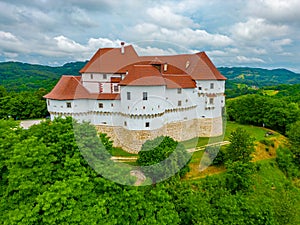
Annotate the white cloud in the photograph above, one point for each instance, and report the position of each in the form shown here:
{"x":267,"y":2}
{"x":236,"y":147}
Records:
{"x":67,"y":45}
{"x":244,"y":59}
{"x":258,"y":29}
{"x":164,"y":17}
{"x":186,"y":37}
{"x":279,"y":11}
{"x":7,"y":36}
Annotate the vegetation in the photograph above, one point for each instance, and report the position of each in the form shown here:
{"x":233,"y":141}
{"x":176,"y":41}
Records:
{"x":17,"y":77}
{"x":23,"y":105}
{"x":266,"y":111}
{"x":61,"y":172}
{"x":45,"y":179}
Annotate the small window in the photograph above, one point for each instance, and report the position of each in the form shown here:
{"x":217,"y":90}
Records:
{"x":112,"y":104}
{"x":179,"y":103}
{"x":48,"y":101}
{"x":125,"y":123}
{"x":179,"y":90}
{"x":145,"y":96}
{"x":104,"y":76}
{"x":128,"y":95}
{"x":116,"y":88}
{"x":92,"y":76}
{"x":211,"y":100}
{"x":186,"y":100}
{"x":199,"y":88}
{"x":100,"y":105}
{"x":144,"y":107}
{"x":69,"y":105}
{"x":147,"y":124}
{"x":211,"y":85}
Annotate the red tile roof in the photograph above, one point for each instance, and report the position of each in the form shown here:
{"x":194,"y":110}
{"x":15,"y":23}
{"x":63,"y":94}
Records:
{"x":70,"y":87}
{"x":111,"y":60}
{"x":143,"y":75}
{"x":179,"y":81}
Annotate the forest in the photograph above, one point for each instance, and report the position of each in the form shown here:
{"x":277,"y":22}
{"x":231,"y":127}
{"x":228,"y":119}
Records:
{"x":50,"y":176}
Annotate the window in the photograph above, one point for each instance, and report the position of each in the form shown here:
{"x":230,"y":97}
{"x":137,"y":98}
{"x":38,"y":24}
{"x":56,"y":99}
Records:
{"x":104,"y":76}
{"x":179,"y":103}
{"x":125,"y":123}
{"x":92,"y":76}
{"x":144,"y":107}
{"x":145,"y":96}
{"x":112,"y":104}
{"x":179,"y":90}
{"x":48,"y":101}
{"x":147,"y":124}
{"x":128,"y":96}
{"x":100,"y":105}
{"x":116,"y":88}
{"x":211,"y":85}
{"x":211,"y":101}
{"x":199,"y":88}
{"x":69,"y":105}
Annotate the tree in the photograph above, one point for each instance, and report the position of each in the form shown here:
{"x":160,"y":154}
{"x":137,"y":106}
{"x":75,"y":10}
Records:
{"x":241,"y":146}
{"x":162,"y":158}
{"x":293,"y":134}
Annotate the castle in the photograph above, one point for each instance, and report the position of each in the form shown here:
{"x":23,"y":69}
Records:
{"x":134,"y":98}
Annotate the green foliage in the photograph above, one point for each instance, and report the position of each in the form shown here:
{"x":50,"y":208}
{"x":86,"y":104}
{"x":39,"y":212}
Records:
{"x":18,"y":77}
{"x":259,"y":110}
{"x":163,"y":157}
{"x":241,"y":146}
{"x":239,"y":175}
{"x":108,"y":144}
{"x":259,"y":77}
{"x":294,"y":138}
{"x":286,"y":162}
{"x":24,"y":105}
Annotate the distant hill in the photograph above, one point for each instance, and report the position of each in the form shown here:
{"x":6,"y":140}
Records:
{"x":17,"y":76}
{"x":259,"y":77}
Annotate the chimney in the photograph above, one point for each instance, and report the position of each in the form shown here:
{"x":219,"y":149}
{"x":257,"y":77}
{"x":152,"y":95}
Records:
{"x":122,"y":47}
{"x":165,"y":67}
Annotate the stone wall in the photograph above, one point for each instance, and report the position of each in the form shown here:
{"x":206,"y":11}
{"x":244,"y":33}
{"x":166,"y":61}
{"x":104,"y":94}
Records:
{"x":132,"y":140}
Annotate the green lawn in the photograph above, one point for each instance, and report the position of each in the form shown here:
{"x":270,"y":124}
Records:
{"x":256,"y":132}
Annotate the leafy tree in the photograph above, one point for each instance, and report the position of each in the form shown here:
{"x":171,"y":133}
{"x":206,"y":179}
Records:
{"x":294,"y":138}
{"x":241,"y":146}
{"x":163,"y":157}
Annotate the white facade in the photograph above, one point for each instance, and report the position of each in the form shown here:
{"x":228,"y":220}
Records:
{"x":101,"y":98}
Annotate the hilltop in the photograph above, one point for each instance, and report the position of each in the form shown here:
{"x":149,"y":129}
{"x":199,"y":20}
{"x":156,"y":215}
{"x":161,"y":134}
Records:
{"x":17,"y":76}
{"x":259,"y":77}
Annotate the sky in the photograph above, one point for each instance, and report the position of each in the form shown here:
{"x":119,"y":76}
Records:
{"x":254,"y":33}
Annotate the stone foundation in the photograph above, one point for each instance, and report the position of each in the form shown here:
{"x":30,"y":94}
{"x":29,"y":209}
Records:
{"x":132,"y":140}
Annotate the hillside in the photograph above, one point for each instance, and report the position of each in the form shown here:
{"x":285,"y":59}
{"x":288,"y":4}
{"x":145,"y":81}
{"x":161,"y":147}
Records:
{"x":17,"y":76}
{"x":259,"y":77}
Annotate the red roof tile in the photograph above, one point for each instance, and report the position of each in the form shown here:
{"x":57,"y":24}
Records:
{"x":70,"y":88}
{"x":143,"y":75}
{"x":111,"y":60}
{"x":179,"y":81}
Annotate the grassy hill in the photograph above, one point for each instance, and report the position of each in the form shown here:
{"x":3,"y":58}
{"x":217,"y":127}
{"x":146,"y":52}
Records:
{"x":17,"y":76}
{"x":259,"y":77}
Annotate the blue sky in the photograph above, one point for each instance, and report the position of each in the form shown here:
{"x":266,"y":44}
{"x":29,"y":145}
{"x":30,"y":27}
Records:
{"x":255,"y":33}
